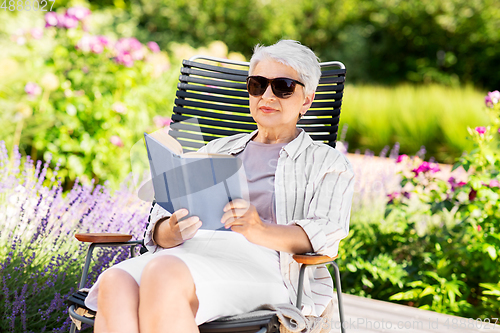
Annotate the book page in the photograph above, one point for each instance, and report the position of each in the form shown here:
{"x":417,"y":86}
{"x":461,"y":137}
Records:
{"x":168,"y":141}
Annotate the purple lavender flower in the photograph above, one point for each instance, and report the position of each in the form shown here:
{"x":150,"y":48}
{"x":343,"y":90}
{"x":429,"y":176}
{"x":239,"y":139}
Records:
{"x":153,"y":46}
{"x":481,"y":130}
{"x":32,"y":89}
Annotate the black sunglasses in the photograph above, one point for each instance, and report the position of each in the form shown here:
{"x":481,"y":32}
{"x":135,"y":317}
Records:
{"x":282,"y":87}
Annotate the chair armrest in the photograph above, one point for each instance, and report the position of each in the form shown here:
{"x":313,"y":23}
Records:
{"x":103,"y":238}
{"x":313,"y":259}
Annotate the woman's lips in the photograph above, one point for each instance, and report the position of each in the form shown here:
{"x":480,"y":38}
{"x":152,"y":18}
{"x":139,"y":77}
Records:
{"x":266,"y":109}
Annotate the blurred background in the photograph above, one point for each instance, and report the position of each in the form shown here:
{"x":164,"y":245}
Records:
{"x":80,"y":87}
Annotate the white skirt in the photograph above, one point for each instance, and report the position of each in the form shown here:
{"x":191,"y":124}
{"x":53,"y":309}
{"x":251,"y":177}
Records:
{"x":231,"y":275}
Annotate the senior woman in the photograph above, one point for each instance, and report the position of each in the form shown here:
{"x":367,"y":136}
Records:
{"x":300,"y":200}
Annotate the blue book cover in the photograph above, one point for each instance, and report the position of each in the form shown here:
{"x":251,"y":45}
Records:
{"x":202,"y":183}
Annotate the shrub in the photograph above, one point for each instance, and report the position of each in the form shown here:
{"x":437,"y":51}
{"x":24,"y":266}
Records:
{"x":81,"y":97}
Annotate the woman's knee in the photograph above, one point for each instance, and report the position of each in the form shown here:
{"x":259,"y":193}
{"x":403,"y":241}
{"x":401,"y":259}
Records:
{"x":116,"y":279}
{"x":168,"y":270}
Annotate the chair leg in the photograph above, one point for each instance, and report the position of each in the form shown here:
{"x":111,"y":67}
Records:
{"x":72,"y":328}
{"x":339,"y":295}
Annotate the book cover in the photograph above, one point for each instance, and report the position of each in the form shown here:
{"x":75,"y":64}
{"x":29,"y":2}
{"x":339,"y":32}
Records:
{"x":201,"y":183}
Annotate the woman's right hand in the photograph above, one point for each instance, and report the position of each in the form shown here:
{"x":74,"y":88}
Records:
{"x":175,"y":230}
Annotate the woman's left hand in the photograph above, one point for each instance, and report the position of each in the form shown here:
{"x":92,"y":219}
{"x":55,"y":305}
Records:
{"x":242,"y":217}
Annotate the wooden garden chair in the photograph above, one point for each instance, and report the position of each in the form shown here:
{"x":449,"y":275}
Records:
{"x":214,"y":92}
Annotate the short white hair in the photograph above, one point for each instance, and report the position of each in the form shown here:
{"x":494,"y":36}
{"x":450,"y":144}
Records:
{"x":293,"y":54}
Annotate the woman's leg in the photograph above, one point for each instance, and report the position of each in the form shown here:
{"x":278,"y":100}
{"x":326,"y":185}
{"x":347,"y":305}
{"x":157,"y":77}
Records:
{"x":168,"y":298}
{"x":118,"y":303}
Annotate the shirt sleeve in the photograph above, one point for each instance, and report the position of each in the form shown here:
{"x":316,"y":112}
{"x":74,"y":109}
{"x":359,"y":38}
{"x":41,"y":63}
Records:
{"x":157,"y":212}
{"x":329,"y":211}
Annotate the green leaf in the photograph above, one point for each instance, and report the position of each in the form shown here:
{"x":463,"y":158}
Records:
{"x":406,"y":295}
{"x":351,"y":268}
{"x":492,"y":252}
{"x":456,"y":166}
{"x":427,"y":291}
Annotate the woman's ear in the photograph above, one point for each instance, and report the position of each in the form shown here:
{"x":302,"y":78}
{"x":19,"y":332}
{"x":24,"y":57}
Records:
{"x":307,"y":102}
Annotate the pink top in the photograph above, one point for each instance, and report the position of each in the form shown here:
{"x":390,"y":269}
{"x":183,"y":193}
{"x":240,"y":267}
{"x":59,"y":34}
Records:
{"x":260,"y":161}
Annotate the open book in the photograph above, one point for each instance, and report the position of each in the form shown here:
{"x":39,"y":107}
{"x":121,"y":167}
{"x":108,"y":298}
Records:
{"x":201,"y":183}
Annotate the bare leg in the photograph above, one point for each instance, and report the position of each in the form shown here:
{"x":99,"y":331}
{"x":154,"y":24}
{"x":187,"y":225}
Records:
{"x":118,"y":303}
{"x":168,"y":298}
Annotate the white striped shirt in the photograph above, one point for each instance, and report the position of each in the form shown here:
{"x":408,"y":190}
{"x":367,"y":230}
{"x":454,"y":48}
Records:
{"x":313,"y":186}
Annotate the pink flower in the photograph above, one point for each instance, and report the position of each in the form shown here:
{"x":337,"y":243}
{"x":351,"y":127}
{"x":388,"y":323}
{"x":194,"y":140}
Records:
{"x":161,"y":122}
{"x":97,"y":48}
{"x":135,"y":44}
{"x":95,"y":44}
{"x":401,"y":158}
{"x":68,"y":22}
{"x":393,"y":196}
{"x":426,"y":167}
{"x":125,"y":58}
{"x":495,"y":96}
{"x":494,"y":183}
{"x":119,"y":107}
{"x":103,"y":40}
{"x":115,"y":140}
{"x":479,"y":228}
{"x":78,"y":12}
{"x":138,"y":54}
{"x":488,"y":101}
{"x":454,"y":184}
{"x":36,"y":33}
{"x":51,"y":19}
{"x":153,"y":47}
{"x":481,"y":130}
{"x":32,"y":89}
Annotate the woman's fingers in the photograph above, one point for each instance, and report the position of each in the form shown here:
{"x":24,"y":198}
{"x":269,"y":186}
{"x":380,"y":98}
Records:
{"x":235,"y":204}
{"x":233,"y":214}
{"x":176,"y":216}
{"x":189,"y":226}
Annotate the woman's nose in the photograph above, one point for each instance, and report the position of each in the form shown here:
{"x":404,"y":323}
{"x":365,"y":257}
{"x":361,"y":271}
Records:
{"x":268,"y":93}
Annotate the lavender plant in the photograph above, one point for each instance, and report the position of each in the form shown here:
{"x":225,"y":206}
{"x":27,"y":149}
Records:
{"x":40,"y":260}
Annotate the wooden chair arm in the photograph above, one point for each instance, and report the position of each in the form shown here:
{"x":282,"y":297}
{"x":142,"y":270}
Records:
{"x":312,"y":259}
{"x":103,"y":238}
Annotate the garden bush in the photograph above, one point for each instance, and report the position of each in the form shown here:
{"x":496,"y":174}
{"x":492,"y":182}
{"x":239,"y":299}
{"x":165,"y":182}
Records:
{"x":437,"y":245}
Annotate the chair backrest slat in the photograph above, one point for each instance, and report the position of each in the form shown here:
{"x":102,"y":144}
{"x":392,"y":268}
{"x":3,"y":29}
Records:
{"x":212,"y":98}
{"x":213,"y":92}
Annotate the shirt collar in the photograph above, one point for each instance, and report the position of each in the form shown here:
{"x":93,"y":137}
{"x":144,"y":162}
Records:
{"x":294,"y":148}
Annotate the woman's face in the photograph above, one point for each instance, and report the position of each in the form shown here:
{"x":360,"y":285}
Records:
{"x":271,"y":112}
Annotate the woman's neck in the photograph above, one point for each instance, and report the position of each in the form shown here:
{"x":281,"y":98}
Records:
{"x":270,"y":137}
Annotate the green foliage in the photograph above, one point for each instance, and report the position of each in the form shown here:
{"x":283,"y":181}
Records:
{"x":92,"y":107}
{"x":444,"y":233}
{"x":383,"y":41}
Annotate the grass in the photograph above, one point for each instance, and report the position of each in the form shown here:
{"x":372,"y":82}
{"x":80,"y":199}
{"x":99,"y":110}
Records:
{"x":433,"y":116}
